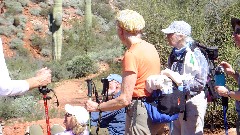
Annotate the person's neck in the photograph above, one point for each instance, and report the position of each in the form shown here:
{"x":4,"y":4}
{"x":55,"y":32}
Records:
{"x":180,"y":45}
{"x":132,"y":40}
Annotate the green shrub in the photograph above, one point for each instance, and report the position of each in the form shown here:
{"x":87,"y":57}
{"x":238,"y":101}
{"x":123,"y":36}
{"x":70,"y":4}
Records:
{"x":81,"y":66}
{"x":35,"y":11}
{"x":13,"y":7}
{"x":15,"y":43}
{"x":59,"y":71}
{"x":20,"y":35}
{"x":24,"y":2}
{"x":45,"y":12}
{"x":40,"y":42}
{"x":103,"y":10}
{"x":7,"y":31}
{"x":19,"y":107}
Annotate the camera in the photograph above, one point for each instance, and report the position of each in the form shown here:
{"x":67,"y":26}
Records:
{"x":44,"y":90}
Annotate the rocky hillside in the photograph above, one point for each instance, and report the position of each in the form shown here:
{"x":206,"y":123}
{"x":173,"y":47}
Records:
{"x":32,"y":21}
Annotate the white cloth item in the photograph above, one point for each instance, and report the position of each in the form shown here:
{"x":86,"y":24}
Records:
{"x":9,"y":87}
{"x":175,"y":76}
{"x":79,"y":112}
{"x":161,"y":82}
{"x":4,"y":75}
{"x":13,"y":87}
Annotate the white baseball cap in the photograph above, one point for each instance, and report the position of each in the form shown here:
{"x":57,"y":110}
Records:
{"x":79,"y":112}
{"x":178,"y":27}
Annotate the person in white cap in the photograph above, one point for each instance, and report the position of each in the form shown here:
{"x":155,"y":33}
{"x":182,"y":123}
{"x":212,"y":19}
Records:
{"x":76,"y":120}
{"x":193,"y":70}
{"x":114,"y":121}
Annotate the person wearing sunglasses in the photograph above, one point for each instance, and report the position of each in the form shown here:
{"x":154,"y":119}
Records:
{"x":223,"y":91}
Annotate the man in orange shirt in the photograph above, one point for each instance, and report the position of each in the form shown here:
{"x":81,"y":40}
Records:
{"x":140,"y":60}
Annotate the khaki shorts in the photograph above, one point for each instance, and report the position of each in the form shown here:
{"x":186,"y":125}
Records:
{"x":138,"y":123}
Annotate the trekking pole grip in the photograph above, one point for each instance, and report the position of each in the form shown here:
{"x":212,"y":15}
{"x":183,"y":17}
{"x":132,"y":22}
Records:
{"x":89,"y":85}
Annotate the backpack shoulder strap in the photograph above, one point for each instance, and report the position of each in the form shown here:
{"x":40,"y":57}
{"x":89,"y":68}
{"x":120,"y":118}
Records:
{"x":174,"y":59}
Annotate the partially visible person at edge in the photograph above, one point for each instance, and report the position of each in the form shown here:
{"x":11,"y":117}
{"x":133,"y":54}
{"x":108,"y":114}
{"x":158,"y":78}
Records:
{"x":114,"y":121}
{"x":76,"y":119}
{"x":194,"y":71}
{"x":10,"y":87}
{"x":140,"y":60}
{"x":223,"y":91}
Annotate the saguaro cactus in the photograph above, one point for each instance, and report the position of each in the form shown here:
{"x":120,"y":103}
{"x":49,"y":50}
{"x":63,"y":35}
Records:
{"x":56,"y":29}
{"x":88,"y":14}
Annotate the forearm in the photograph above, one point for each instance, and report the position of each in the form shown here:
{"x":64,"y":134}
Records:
{"x":115,"y":104}
{"x":34,"y":82}
{"x":13,"y":87}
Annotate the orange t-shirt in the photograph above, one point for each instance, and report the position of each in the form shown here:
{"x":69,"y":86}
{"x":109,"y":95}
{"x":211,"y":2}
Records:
{"x":143,"y":59}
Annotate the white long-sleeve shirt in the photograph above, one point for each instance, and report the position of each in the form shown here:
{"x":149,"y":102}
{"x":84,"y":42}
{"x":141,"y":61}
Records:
{"x":9,"y":87}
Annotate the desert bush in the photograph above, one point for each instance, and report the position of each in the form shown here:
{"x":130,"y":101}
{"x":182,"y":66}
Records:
{"x":45,"y":11}
{"x":4,"y":21}
{"x":35,"y":11}
{"x":22,"y":67}
{"x":15,"y":43}
{"x":20,"y":35}
{"x":81,"y":66}
{"x":19,"y":107}
{"x":13,"y":7}
{"x":40,"y":42}
{"x":103,"y":10}
{"x":26,"y":107}
{"x":7,"y":31}
{"x":24,"y":2}
{"x":46,"y":52}
{"x":38,"y":27}
{"x":59,"y":71}
{"x":43,"y":5}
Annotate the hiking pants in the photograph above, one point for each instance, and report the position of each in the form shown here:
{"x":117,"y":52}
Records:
{"x":138,"y":123}
{"x":195,"y":108}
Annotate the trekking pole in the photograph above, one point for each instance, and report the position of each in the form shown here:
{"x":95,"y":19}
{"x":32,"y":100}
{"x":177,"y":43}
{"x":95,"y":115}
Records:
{"x":89,"y":85}
{"x":104,"y":99}
{"x":44,"y":90}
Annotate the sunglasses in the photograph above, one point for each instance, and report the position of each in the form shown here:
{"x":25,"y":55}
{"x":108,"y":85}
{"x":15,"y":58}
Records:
{"x":68,"y":115}
{"x":237,"y":32}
